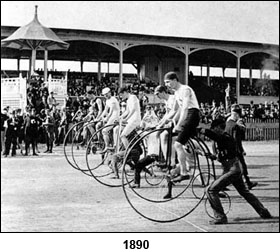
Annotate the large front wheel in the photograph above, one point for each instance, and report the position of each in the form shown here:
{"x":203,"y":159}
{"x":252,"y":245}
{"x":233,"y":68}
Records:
{"x":149,"y":200}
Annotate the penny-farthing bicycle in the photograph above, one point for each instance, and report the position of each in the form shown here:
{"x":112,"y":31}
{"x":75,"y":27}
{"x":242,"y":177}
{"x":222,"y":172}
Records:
{"x":100,"y":164}
{"x":75,"y":142}
{"x":149,"y":201}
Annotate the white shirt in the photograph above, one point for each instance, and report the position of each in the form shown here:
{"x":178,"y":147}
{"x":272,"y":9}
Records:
{"x":186,"y":92}
{"x":114,"y":106}
{"x":170,"y":103}
{"x":132,"y":103}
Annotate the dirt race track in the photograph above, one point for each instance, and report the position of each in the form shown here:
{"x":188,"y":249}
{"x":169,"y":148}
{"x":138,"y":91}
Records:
{"x":44,"y":194}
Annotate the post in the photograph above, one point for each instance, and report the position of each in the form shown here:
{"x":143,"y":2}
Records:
{"x":46,"y":65}
{"x":223,"y":69}
{"x":82,"y":66}
{"x":18,"y":64}
{"x":108,"y":67}
{"x":187,"y":50}
{"x":121,"y":65}
{"x":250,"y":76}
{"x":160,"y":72}
{"x":238,"y":76}
{"x":52,"y":65}
{"x":99,"y":70}
{"x":33,"y":60}
{"x":208,"y":74}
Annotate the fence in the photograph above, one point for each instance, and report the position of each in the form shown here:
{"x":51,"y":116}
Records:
{"x":259,"y":130}
{"x":13,"y":92}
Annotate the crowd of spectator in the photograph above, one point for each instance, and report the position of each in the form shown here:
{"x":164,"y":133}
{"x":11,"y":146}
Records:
{"x":260,"y":111}
{"x":42,"y":105}
{"x":259,"y":87}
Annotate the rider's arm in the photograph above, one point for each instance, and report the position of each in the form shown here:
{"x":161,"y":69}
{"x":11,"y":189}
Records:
{"x":104,"y":113}
{"x":125,"y":114}
{"x":170,"y":115}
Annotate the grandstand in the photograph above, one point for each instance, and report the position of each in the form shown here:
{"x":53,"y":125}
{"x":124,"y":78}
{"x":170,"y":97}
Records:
{"x":152,"y":56}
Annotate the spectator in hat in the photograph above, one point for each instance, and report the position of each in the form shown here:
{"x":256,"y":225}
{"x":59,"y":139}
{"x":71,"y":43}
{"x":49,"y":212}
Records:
{"x":11,"y":134}
{"x":49,"y":127}
{"x":51,"y":100}
{"x":4,"y":118}
{"x":31,"y":124}
{"x":20,"y":138}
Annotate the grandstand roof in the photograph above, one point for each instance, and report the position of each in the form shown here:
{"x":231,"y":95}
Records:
{"x":87,"y":45}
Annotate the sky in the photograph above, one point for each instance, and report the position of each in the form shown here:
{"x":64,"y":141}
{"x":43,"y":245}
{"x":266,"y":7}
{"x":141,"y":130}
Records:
{"x":251,"y":21}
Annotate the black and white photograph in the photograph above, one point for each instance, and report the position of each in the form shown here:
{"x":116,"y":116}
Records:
{"x":150,"y":123}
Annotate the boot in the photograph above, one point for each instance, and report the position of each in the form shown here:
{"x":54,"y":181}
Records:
{"x":249,"y":183}
{"x":48,"y":148}
{"x":51,"y":147}
{"x":169,"y":192}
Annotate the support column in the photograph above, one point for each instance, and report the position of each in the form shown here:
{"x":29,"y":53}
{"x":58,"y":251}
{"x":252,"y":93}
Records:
{"x":108,"y":68}
{"x":99,"y":70}
{"x":250,"y":76}
{"x":121,"y":65}
{"x":30,"y":65}
{"x":33,"y":61}
{"x":18,"y":64}
{"x":223,"y":69}
{"x":208,"y":74}
{"x":160,"y":77}
{"x":52,"y":65}
{"x":46,"y":65}
{"x":187,"y":51}
{"x":138,"y":71}
{"x":82,"y":66}
{"x":201,"y":68}
{"x":238,"y":76}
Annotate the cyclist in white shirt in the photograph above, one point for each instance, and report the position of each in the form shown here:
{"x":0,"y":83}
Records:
{"x":131,"y":116}
{"x":110,"y":114}
{"x":162,"y":93}
{"x":188,"y":120}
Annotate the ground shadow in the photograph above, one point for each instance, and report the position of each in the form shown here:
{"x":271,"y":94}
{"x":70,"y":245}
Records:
{"x":254,"y":220}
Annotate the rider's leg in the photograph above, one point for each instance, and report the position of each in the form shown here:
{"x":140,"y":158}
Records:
{"x":98,"y":126}
{"x":164,"y":144}
{"x":125,"y":132}
{"x":106,"y":137}
{"x":181,"y":153}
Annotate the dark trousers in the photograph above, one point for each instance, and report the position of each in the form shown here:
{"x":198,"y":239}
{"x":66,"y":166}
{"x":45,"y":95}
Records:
{"x":141,"y":166}
{"x":49,"y":139}
{"x":244,"y":165}
{"x":10,"y":140}
{"x":28,"y":141}
{"x":232,"y":175}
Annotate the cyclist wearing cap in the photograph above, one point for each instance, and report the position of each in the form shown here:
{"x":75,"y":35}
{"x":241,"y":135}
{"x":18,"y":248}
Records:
{"x":186,"y":101}
{"x":110,"y":114}
{"x":131,"y":116}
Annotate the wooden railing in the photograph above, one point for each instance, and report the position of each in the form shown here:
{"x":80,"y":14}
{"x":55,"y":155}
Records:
{"x":258,"y":130}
